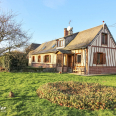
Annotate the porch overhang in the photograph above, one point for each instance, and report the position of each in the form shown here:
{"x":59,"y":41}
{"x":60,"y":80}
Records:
{"x":64,"y":51}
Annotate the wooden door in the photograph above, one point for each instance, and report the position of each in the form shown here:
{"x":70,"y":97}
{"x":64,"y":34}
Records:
{"x":69,"y":60}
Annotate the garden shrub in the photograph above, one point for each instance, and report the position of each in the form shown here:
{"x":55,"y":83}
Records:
{"x":91,"y":96}
{"x":1,"y":61}
{"x":14,"y":61}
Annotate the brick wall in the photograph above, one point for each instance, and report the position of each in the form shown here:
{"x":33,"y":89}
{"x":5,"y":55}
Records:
{"x":102,"y":69}
{"x":44,"y":65}
{"x":65,"y":69}
{"x":59,"y":69}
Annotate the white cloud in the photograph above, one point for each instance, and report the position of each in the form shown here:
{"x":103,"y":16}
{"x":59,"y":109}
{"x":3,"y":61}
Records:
{"x":53,"y":3}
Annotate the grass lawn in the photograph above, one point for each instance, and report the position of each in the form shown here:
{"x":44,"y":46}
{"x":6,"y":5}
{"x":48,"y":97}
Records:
{"x":27,"y":103}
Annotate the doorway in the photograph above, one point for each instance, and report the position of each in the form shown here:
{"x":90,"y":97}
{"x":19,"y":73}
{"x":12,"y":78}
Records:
{"x":69,"y":60}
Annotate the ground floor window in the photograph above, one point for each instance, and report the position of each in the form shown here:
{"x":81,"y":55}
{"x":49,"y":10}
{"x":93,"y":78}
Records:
{"x":39,"y":58}
{"x":99,"y":58}
{"x":33,"y":58}
{"x":47,"y":58}
{"x":78,"y":58}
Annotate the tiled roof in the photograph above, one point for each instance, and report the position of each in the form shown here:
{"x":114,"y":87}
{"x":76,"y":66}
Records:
{"x":47,"y":48}
{"x":83,"y":38}
{"x":33,"y":46}
{"x":65,"y":51}
{"x":79,"y":40}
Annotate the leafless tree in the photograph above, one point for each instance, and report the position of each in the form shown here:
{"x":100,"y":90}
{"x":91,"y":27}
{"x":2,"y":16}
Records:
{"x":11,"y":34}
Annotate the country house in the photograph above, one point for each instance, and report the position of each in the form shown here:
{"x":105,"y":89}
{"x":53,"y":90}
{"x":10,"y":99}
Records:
{"x":92,"y":51}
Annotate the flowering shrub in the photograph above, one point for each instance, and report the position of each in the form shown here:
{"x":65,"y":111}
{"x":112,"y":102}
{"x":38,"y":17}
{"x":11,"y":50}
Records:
{"x":89,"y":96}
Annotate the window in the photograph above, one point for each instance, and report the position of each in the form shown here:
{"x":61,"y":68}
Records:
{"x":33,"y":58}
{"x":53,"y":45}
{"x":60,"y":43}
{"x":78,"y":58}
{"x":99,"y":58}
{"x":39,"y":58}
{"x":104,"y":38}
{"x":43,"y":47}
{"x":47,"y":58}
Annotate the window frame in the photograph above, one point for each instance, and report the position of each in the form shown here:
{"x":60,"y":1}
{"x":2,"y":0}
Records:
{"x":106,"y":39}
{"x":60,"y":43}
{"x":100,"y":58}
{"x":39,"y":58}
{"x":79,"y":54}
{"x":95,"y":58}
{"x":49,"y":59}
{"x":33,"y":58}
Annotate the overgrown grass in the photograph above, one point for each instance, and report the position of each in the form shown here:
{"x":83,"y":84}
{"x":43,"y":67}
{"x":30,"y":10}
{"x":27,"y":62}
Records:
{"x":27,"y":103}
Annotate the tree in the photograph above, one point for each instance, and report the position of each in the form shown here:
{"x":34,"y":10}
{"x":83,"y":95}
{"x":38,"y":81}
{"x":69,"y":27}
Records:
{"x":11,"y":34}
{"x":11,"y":37}
{"x":15,"y":60}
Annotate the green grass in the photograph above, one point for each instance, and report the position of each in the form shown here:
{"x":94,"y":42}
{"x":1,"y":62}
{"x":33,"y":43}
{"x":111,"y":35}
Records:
{"x":27,"y":103}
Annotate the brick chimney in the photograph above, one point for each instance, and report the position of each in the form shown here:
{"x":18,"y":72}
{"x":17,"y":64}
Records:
{"x":65,"y":32}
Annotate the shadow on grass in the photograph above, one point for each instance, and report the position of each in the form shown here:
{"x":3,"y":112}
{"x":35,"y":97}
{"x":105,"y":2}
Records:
{"x":19,"y":98}
{"x":103,"y":75}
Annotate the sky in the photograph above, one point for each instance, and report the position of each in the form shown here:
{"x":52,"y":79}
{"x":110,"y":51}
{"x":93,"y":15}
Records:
{"x":46,"y":19}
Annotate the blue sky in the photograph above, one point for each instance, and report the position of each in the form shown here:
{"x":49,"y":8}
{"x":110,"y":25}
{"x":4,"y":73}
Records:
{"x":46,"y":19}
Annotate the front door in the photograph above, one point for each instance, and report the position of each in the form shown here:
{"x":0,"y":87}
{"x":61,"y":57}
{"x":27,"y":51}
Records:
{"x":69,"y":60}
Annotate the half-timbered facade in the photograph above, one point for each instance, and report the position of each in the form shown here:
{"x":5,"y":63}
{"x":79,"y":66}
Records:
{"x":92,"y":51}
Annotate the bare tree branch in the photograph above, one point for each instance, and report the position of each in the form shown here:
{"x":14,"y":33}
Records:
{"x":11,"y":34}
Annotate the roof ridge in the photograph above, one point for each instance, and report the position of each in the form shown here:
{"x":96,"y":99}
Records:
{"x":91,"y":28}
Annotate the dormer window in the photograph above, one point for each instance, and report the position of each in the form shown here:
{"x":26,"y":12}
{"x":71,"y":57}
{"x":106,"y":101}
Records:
{"x":60,"y":43}
{"x":43,"y":47}
{"x":104,"y":38}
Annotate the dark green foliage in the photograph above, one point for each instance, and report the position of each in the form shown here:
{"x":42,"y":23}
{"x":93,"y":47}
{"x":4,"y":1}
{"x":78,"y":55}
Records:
{"x":33,"y":69}
{"x":79,"y":95}
{"x":1,"y":60}
{"x":13,"y":61}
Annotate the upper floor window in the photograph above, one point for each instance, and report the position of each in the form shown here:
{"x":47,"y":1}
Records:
{"x":33,"y":58}
{"x":60,"y":43}
{"x":104,"y":38}
{"x":39,"y":58}
{"x":43,"y":47}
{"x":53,"y":45}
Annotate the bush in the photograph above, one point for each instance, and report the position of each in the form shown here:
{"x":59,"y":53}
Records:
{"x":13,"y":61}
{"x":1,"y":61}
{"x":89,"y":96}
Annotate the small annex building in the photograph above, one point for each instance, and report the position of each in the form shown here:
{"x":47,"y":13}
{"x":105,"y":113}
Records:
{"x":92,"y":51}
